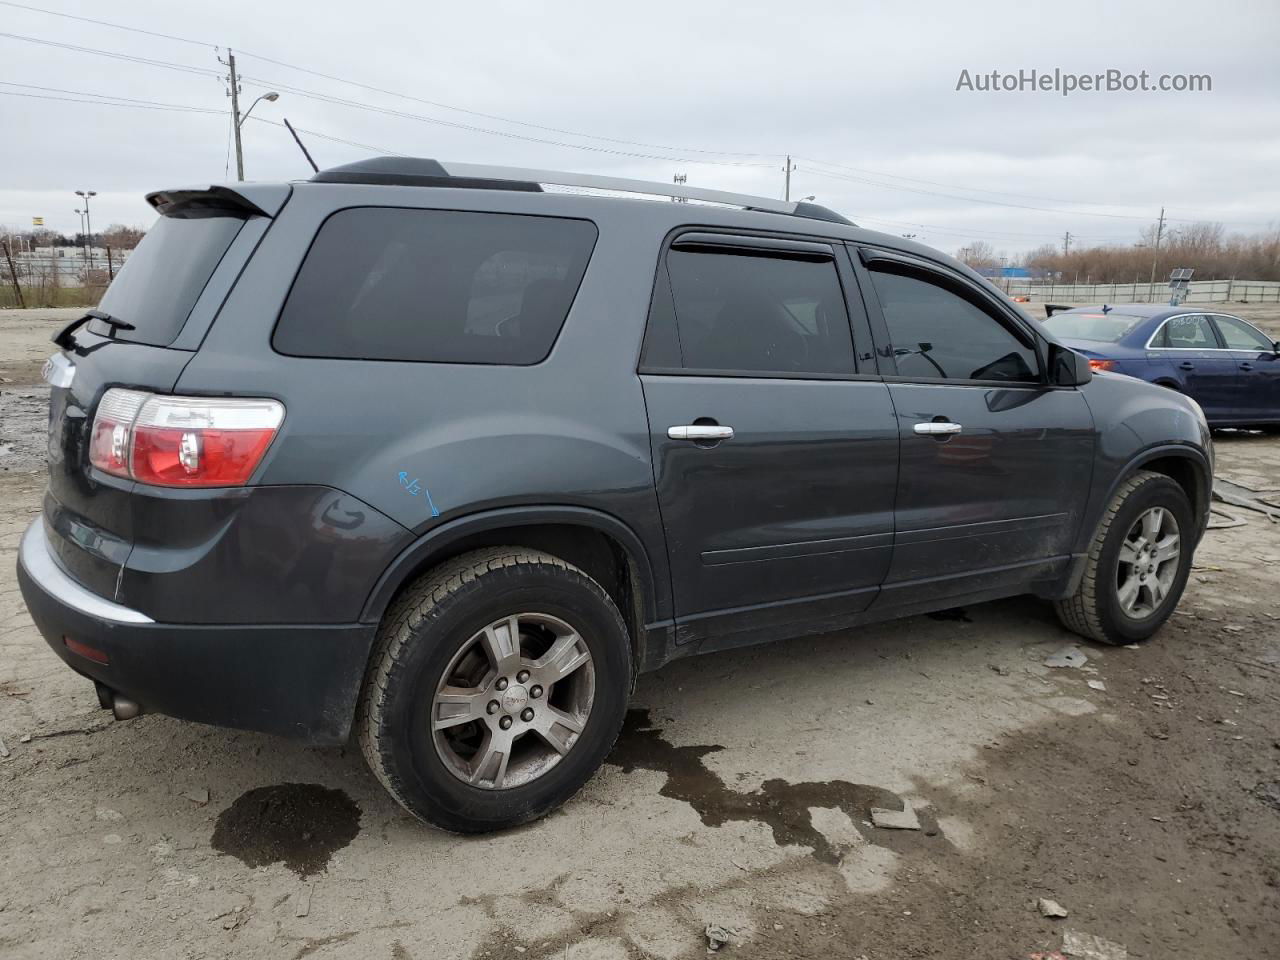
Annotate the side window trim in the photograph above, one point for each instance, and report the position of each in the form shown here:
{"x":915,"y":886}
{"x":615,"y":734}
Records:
{"x":711,"y":240}
{"x":731,"y":243}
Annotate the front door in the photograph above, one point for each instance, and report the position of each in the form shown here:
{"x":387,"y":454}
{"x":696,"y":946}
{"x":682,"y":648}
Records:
{"x":995,"y":464}
{"x":775,"y":462}
{"x":1257,"y":369}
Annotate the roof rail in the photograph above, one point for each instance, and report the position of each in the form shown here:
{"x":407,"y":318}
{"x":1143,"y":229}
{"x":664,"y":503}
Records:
{"x":413,"y":171}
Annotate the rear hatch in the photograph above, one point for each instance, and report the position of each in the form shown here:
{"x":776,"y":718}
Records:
{"x":149,"y":324}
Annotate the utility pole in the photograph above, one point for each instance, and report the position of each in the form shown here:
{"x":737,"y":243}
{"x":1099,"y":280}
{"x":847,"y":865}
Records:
{"x":1066,"y":243}
{"x":234,"y":81}
{"x":786,"y":194}
{"x":1159,"y":234}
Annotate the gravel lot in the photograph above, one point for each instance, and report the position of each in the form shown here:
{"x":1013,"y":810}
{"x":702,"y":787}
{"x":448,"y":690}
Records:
{"x":1140,"y":791}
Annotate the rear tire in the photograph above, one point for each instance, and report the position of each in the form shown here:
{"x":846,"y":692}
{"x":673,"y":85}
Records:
{"x":451,"y":621}
{"x":1131,"y":582}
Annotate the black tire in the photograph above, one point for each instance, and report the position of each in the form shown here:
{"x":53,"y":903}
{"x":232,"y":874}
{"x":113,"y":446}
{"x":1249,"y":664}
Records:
{"x":1094,"y":611}
{"x":420,"y":634}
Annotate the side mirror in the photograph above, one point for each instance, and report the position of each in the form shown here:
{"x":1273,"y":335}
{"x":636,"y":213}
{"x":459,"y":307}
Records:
{"x":1068,"y":368}
{"x":1276,"y":347}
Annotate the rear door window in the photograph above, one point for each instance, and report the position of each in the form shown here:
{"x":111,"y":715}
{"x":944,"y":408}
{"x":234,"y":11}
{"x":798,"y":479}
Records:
{"x":1190,"y":332}
{"x":437,"y":286}
{"x":751,"y":314}
{"x":162,"y":279}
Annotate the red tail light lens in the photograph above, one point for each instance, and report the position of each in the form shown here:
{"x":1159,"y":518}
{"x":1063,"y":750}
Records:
{"x":1102,"y":364}
{"x":183,"y":441}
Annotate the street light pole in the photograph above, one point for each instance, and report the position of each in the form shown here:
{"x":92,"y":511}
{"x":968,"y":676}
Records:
{"x":236,"y":118}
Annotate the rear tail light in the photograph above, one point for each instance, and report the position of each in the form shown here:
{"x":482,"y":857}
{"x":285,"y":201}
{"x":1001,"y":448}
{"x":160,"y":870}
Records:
{"x":182,"y":441}
{"x":1102,"y":364}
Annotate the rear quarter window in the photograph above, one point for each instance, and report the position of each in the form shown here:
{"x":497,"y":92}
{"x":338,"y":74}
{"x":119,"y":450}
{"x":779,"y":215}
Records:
{"x":438,"y":286}
{"x":162,"y":279}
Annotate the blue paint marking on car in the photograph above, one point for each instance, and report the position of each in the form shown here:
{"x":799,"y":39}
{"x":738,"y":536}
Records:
{"x":414,"y":487}
{"x":1224,"y":363}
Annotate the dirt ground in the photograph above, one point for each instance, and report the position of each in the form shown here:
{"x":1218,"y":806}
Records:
{"x":1141,"y":791}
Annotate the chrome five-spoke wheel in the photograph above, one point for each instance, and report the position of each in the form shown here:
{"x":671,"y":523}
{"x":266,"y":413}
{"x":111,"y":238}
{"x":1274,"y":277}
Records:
{"x":1148,"y":562}
{"x":513,"y":701}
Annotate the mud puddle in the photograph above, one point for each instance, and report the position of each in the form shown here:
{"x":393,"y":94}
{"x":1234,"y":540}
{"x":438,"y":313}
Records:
{"x":781,"y":806}
{"x":298,"y":824}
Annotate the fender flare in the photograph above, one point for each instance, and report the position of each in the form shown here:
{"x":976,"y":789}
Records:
{"x":655,"y":586}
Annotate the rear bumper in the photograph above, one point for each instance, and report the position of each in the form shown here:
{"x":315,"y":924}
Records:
{"x":296,"y":680}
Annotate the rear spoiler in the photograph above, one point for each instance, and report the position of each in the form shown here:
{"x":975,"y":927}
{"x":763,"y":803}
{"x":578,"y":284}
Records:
{"x":243,"y":200}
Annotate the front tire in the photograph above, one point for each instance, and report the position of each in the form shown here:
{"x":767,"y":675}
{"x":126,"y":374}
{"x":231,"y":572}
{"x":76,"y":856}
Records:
{"x":496,"y":688}
{"x":1137,"y":565}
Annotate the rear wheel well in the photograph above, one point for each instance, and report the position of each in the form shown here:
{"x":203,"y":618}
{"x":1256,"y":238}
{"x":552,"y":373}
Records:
{"x":596,"y":554}
{"x":1184,"y":472}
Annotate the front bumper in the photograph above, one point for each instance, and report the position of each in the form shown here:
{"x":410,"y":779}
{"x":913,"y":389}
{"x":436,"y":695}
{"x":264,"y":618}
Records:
{"x":298,"y":680}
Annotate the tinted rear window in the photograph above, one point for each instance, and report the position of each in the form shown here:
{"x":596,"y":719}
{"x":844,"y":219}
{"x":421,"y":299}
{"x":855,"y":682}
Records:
{"x":1106,"y":327}
{"x":436,"y":286}
{"x":162,"y":279}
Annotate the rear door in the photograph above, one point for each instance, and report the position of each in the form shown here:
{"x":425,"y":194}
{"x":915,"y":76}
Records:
{"x":1257,"y":367}
{"x":775,"y":458}
{"x":1188,"y":344}
{"x":995,"y":463}
{"x":160,"y":303}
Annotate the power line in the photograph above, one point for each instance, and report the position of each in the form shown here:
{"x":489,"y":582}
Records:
{"x":104,"y":23}
{"x":394,"y":93}
{"x":949,"y":186}
{"x":166,"y":64}
{"x":471,"y":128}
{"x":96,"y":99}
{"x":112,"y":103}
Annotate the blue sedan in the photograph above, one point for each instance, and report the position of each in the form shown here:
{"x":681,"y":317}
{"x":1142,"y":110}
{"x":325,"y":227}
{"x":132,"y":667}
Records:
{"x":1229,"y":366}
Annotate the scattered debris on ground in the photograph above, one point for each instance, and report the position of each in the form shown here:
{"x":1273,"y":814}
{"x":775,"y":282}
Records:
{"x":717,"y":937}
{"x":1069,"y":656}
{"x":1086,"y":946}
{"x":1050,"y":908}
{"x":904,"y":819}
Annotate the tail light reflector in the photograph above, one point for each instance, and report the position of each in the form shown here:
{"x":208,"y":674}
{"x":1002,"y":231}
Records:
{"x":1102,"y":364}
{"x":182,"y":441}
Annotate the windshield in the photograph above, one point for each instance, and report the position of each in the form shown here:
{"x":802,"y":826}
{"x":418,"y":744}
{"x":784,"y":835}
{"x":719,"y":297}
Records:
{"x":162,"y":279}
{"x":1104,"y":327}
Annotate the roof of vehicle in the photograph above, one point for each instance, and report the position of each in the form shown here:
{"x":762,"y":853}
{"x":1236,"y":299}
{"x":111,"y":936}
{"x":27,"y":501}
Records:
{"x":1150,"y":310}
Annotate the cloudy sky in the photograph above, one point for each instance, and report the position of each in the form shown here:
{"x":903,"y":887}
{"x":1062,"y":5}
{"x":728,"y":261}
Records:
{"x":863,"y":95}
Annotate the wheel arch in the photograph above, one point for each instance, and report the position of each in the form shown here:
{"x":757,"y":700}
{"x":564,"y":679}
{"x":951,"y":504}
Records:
{"x":601,"y":545}
{"x":1185,"y":465}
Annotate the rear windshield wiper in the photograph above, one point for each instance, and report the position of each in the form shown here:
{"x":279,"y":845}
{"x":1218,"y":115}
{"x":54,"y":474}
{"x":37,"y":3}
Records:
{"x":63,"y":337}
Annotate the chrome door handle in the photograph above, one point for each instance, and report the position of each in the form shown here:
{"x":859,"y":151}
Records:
{"x":936,"y":428}
{"x":700,"y":432}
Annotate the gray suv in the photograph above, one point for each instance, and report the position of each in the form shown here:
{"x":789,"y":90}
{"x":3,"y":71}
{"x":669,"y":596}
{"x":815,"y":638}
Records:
{"x":436,"y":456}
